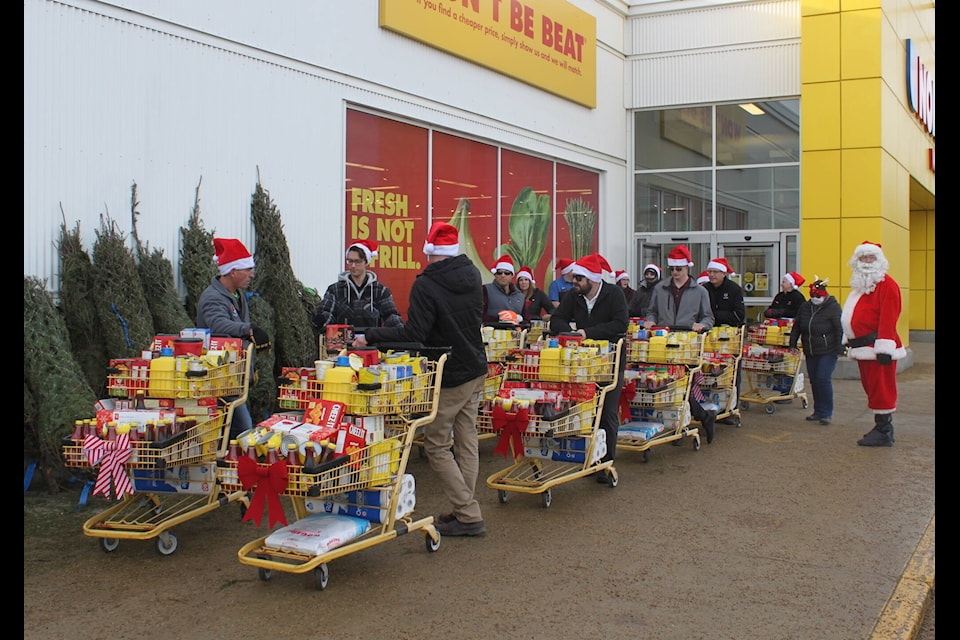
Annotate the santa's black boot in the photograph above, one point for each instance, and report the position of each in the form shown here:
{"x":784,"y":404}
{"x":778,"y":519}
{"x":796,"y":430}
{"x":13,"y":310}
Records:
{"x":882,"y":433}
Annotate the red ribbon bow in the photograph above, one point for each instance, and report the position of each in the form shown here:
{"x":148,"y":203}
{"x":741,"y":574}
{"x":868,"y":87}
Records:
{"x":111,"y":455}
{"x":627,"y":393}
{"x":270,"y":482}
{"x":511,"y":427}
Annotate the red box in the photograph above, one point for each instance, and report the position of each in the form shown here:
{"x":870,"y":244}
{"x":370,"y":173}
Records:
{"x":325,"y":413}
{"x":338,"y":337}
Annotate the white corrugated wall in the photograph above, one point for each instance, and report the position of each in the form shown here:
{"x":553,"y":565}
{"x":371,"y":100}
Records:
{"x":741,"y":51}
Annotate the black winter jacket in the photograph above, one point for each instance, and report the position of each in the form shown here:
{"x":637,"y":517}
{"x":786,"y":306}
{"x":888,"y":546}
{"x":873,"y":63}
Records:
{"x":607,"y":321}
{"x":446,"y":307}
{"x":727,"y":303}
{"x":818,"y":328}
{"x":785,"y":305}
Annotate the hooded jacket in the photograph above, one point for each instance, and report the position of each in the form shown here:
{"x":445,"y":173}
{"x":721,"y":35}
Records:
{"x":694,"y":306}
{"x":446,"y":307}
{"x":370,"y":305}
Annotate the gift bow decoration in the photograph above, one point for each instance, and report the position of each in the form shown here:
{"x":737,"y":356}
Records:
{"x":111,"y":455}
{"x":626,"y":397}
{"x":268,"y":483}
{"x":511,"y":427}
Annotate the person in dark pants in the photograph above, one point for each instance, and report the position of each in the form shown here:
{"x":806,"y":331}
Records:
{"x":446,"y":304}
{"x":600,"y":313}
{"x":726,"y":301}
{"x":817,"y":327}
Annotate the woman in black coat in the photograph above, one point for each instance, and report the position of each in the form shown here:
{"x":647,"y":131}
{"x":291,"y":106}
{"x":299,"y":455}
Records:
{"x":817,"y":327}
{"x":788,"y":301}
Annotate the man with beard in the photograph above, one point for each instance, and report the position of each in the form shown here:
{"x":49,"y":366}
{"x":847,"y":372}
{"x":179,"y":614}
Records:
{"x":600,"y":313}
{"x":869,"y":322}
{"x":641,"y":297}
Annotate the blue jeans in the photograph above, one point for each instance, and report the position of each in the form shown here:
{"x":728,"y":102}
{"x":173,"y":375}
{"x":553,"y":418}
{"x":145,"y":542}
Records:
{"x":820,"y":369}
{"x":242,"y":420}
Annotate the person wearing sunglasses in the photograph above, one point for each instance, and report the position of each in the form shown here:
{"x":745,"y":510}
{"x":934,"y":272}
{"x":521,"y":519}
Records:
{"x":357,"y":298}
{"x":501,"y":294}
{"x":681,"y":302}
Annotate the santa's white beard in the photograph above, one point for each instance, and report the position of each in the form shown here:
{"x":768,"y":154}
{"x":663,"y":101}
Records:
{"x":866,"y":276}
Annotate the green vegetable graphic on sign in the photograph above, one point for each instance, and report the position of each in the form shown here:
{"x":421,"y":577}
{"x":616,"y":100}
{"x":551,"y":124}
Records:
{"x":529,"y":228}
{"x":581,"y":218}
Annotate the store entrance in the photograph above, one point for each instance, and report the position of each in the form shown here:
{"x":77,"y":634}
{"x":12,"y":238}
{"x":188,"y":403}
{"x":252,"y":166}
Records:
{"x":759,"y":264}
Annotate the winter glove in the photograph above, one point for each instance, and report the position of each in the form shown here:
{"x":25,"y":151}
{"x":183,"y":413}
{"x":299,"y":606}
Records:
{"x":260,"y":338}
{"x":884,"y":358}
{"x":772,"y":313}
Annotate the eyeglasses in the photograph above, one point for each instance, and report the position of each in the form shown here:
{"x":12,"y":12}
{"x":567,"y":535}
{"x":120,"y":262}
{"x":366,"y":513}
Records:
{"x":579,"y":277}
{"x":504,"y":273}
{"x":354,"y":262}
{"x":677,"y":268}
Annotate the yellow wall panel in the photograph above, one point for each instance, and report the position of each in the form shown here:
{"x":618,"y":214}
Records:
{"x":895,"y":194}
{"x":931,"y":313}
{"x":860,"y":35}
{"x":820,"y":104}
{"x":918,"y":231}
{"x":820,"y":250}
{"x":860,"y":188}
{"x":820,"y":184}
{"x":860,"y":113}
{"x":820,"y":48}
{"x":917,"y":310}
{"x":814,"y":7}
{"x":918,"y":270}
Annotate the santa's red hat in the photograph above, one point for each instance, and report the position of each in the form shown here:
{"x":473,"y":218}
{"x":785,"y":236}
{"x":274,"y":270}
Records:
{"x":794,"y":278}
{"x":652,"y":267}
{"x":703,"y":277}
{"x":526,"y":272}
{"x":504,"y":263}
{"x":620,"y":275}
{"x":868,"y":248}
{"x":231,"y":254}
{"x":679,"y":257}
{"x":367,"y":247}
{"x":563,"y":265}
{"x":592,"y":267}
{"x":442,"y":240}
{"x":720,"y":264}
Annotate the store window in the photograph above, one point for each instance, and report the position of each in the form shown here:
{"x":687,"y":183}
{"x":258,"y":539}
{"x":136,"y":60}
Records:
{"x":679,"y":201}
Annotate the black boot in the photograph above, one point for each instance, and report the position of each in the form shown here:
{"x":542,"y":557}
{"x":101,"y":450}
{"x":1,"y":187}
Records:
{"x":882,"y":433}
{"x":709,"y":424}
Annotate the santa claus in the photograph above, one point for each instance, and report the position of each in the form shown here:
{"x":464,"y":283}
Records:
{"x":869,"y":322}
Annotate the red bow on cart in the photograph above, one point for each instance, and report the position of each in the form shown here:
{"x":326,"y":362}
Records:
{"x":511,"y":427}
{"x":270,"y":482}
{"x":111,"y":455}
{"x":627,"y":393}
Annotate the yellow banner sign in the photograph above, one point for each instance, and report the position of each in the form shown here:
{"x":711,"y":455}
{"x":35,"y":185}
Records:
{"x":549,"y":44}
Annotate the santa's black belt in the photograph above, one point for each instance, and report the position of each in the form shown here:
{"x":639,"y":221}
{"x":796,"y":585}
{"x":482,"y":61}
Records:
{"x":862,"y":341}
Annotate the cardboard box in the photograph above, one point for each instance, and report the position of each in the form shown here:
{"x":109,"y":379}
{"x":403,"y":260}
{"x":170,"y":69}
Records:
{"x":338,"y":336}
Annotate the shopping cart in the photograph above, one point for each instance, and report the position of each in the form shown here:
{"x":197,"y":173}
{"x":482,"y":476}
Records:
{"x":771,"y":372}
{"x":720,"y":365}
{"x":375,"y":472}
{"x":550,"y":450}
{"x":167,"y":463}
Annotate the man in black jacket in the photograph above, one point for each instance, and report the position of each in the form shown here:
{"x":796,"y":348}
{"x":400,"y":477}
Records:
{"x":600,"y":313}
{"x":446,"y":306}
{"x":726,"y":300}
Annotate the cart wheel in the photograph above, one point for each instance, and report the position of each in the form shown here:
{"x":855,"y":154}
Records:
{"x":264,"y":574}
{"x":769,"y":408}
{"x":502,"y":496}
{"x":645,"y":456}
{"x":167,"y":544}
{"x":804,"y":403}
{"x":546,"y":498}
{"x":433,"y":545}
{"x":109,"y":545}
{"x":243,"y":509}
{"x":744,"y":406}
{"x":612,"y":480}
{"x":321,"y":576}
{"x":696,"y":443}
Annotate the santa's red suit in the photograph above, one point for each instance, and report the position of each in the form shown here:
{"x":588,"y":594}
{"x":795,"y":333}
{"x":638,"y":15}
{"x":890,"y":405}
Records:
{"x":865,"y":314}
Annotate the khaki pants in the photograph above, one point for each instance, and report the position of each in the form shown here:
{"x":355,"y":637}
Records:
{"x":452,"y":447}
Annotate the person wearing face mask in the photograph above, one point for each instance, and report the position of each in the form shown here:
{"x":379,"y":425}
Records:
{"x":644,"y":291}
{"x":817,"y":327}
{"x":786,"y":303}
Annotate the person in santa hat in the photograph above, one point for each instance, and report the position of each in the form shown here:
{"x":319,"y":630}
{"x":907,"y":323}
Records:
{"x":563,"y":283}
{"x":501,"y":294}
{"x":817,"y":328}
{"x":223,"y":308}
{"x":644,"y":291}
{"x":536,"y":304}
{"x":787,"y":302}
{"x":680,"y":302}
{"x":358,"y":298}
{"x":726,"y":296}
{"x":622,"y":278}
{"x":703,"y":278}
{"x":600,"y":312}
{"x":446,"y":307}
{"x":869,"y":321}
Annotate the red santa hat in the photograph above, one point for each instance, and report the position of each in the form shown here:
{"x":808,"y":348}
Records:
{"x":592,"y":267}
{"x":652,"y":267}
{"x":231,"y":254}
{"x":367,"y":247}
{"x":794,"y":278}
{"x":620,"y":275}
{"x":563,"y":265}
{"x":679,"y":257}
{"x":703,"y":277}
{"x":526,"y":272}
{"x":504,"y":263}
{"x":442,"y":240}
{"x":720,"y":264}
{"x":868,"y":248}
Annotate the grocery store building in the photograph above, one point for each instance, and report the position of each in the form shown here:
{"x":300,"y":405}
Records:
{"x":776,"y":133}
